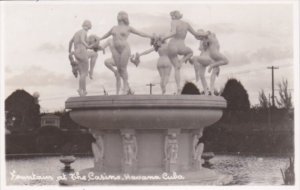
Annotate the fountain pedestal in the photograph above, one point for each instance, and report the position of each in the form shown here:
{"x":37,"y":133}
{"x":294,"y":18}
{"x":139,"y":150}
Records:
{"x":147,"y":135}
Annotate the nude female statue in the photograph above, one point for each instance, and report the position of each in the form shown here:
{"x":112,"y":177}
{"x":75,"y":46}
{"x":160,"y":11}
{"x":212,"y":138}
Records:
{"x":121,"y":49}
{"x":111,"y":65}
{"x":210,"y":56}
{"x":92,"y":54}
{"x":176,"y":45}
{"x":79,"y":40}
{"x":163,"y":63}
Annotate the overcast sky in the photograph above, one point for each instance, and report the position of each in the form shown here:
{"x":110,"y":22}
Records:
{"x":36,"y":36}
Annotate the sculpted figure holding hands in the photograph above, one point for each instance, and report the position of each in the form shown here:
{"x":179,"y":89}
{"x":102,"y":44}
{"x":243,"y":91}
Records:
{"x":120,"y":48}
{"x":79,"y":40}
{"x":164,"y":65}
{"x":176,"y":45}
{"x":210,"y":56}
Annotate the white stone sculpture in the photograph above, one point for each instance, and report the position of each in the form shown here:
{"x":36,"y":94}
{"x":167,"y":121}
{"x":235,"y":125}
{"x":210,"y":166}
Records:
{"x":79,"y":40}
{"x":210,"y":56}
{"x":121,"y":48}
{"x":176,"y":45}
{"x":164,"y":65}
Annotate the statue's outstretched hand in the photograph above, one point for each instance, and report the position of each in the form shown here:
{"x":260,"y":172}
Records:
{"x":156,"y":42}
{"x":135,"y":59}
{"x":201,"y":34}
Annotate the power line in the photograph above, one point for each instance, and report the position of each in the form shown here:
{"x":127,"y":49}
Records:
{"x":153,"y":84}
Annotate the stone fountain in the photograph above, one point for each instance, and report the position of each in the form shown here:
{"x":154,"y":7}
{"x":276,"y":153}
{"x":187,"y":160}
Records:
{"x":145,"y":139}
{"x":147,"y":135}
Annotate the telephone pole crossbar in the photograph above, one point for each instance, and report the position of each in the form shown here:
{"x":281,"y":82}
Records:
{"x":150,"y":85}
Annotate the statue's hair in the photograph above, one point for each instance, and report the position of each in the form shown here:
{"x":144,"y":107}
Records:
{"x":176,"y":13}
{"x":204,"y":44}
{"x":87,"y":23}
{"x":123,"y":17}
{"x":92,"y":38}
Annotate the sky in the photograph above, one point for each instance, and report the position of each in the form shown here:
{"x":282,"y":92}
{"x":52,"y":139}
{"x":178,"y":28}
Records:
{"x":36,"y":36}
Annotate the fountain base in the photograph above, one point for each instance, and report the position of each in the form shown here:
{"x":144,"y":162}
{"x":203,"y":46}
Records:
{"x":147,"y":137}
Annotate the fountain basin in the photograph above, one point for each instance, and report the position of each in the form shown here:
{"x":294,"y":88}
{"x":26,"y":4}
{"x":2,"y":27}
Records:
{"x":147,"y":134}
{"x":146,"y":111}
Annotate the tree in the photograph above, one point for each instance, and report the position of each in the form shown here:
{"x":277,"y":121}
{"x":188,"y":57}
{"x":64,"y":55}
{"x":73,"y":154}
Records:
{"x":190,"y":88}
{"x":263,"y":100}
{"x":24,"y":109}
{"x":285,"y":100}
{"x":236,"y":96}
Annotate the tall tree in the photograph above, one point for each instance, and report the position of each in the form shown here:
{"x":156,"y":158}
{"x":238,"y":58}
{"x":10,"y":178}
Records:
{"x":285,"y":96}
{"x":25,"y":109}
{"x":190,"y":88}
{"x":263,"y":100}
{"x":236,"y":96}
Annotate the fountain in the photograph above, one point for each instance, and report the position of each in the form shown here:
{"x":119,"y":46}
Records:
{"x":147,"y":135}
{"x":67,"y":161}
{"x":145,"y":139}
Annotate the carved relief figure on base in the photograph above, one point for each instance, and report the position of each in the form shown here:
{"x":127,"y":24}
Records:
{"x":171,"y":152}
{"x":198,"y":148}
{"x":98,"y":151}
{"x":129,"y":149}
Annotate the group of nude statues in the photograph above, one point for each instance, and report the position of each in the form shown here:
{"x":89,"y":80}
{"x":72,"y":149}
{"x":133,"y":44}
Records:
{"x":171,"y":49}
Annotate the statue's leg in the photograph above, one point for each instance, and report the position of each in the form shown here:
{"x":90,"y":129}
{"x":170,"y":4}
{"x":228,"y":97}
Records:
{"x":123,"y":68}
{"x":93,"y":58}
{"x":82,"y":58}
{"x":110,"y":64}
{"x":167,"y":71}
{"x":219,"y":59}
{"x":177,"y":66}
{"x":214,"y":74}
{"x":83,"y":75}
{"x":201,"y":72}
{"x":187,"y":54}
{"x":200,"y":64}
{"x":161,"y":74}
{"x":196,"y":64}
{"x":116,"y":61}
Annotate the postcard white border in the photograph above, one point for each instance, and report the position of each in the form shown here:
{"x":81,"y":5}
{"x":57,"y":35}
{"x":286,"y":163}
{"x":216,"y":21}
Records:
{"x":295,"y":4}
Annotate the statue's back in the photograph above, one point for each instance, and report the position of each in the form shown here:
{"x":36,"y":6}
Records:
{"x":181,"y":29}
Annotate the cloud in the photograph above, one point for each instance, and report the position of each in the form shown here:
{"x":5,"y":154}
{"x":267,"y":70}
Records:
{"x":7,"y":69}
{"x":238,"y":58}
{"x":221,"y":28}
{"x":270,"y":54}
{"x":51,"y":48}
{"x":37,"y":76}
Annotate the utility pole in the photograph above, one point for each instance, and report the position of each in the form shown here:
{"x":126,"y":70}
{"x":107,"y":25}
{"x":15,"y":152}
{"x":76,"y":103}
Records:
{"x":151,"y":85}
{"x":273,"y":97}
